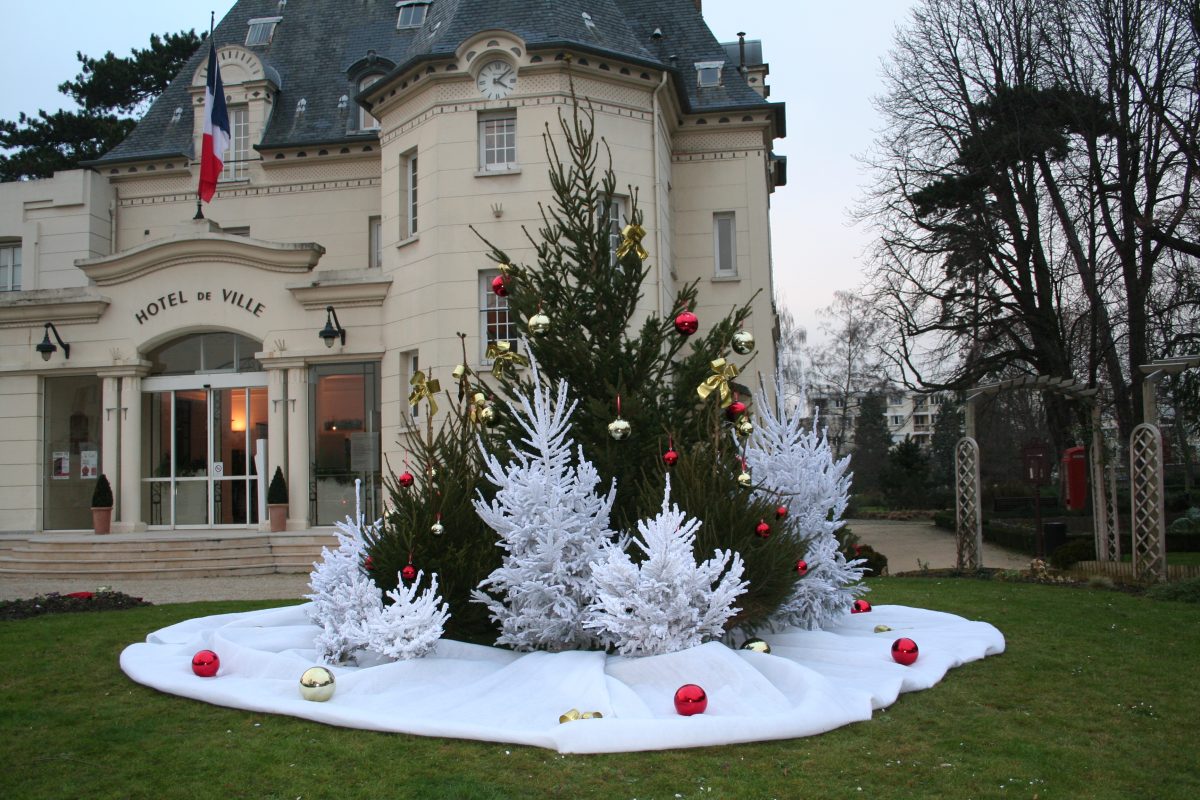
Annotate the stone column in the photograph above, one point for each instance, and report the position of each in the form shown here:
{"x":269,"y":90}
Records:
{"x":110,"y":448}
{"x":277,"y":427}
{"x":131,"y":456}
{"x":299,"y":475}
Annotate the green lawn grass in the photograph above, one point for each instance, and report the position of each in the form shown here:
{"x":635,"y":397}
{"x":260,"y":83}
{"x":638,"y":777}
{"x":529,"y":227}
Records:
{"x":1096,"y":697}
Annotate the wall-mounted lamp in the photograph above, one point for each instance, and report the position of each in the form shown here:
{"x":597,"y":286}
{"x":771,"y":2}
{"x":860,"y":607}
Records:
{"x":47,"y":348}
{"x":332,"y":331}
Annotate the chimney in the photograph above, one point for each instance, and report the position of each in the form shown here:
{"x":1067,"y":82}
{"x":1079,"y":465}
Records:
{"x":699,"y":10}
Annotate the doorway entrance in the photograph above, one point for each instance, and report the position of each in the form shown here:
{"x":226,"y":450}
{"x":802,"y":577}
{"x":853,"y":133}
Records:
{"x":201,"y":436}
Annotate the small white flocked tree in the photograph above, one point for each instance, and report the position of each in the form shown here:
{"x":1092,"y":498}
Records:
{"x":795,"y":463}
{"x":348,"y":606}
{"x":552,"y":525}
{"x":668,"y":602}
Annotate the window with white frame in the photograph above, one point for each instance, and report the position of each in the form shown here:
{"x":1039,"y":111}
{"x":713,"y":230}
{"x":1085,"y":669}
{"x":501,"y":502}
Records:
{"x":367,"y":122}
{"x":261,"y":30}
{"x":495,"y":322}
{"x":10,"y":267}
{"x":615,"y":219}
{"x":498,"y":141}
{"x":408,"y":195}
{"x":238,"y":155}
{"x":409,"y":363}
{"x":375,"y":242}
{"x":412,"y":13}
{"x":708,"y":73}
{"x":724,"y":244}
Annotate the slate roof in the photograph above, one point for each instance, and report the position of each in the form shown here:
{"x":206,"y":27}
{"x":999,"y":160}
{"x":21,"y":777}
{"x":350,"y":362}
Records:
{"x":319,"y":41}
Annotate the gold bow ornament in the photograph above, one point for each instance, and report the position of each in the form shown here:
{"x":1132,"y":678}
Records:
{"x":424,"y":390}
{"x":501,"y":354}
{"x":723,"y":373}
{"x":631,"y":242}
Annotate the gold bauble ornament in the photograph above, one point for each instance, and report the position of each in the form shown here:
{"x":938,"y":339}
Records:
{"x":744,"y":479}
{"x":756,"y":646}
{"x":316,"y":684}
{"x":882,"y":629}
{"x":743,"y":342}
{"x":487,"y":414}
{"x":745,"y":427}
{"x":539,"y":324}
{"x":618,"y":429}
{"x":437,"y":529}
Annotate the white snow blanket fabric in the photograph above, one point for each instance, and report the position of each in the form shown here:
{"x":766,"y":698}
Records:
{"x":811,"y":682}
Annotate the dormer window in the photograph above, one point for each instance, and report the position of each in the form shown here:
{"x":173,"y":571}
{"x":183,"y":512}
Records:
{"x":708,"y":73}
{"x":412,"y":13}
{"x":366,"y":122}
{"x":261,"y":30}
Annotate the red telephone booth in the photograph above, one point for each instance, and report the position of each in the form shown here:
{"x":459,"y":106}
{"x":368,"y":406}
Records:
{"x":1074,"y":477}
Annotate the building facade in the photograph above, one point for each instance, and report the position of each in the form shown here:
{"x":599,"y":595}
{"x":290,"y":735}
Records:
{"x":181,"y":357}
{"x":909,"y":415}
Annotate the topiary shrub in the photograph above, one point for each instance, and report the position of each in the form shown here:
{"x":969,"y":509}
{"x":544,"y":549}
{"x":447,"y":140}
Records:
{"x":102,"y":496}
{"x":1077,"y":548}
{"x":1186,"y":591}
{"x":277,"y":493}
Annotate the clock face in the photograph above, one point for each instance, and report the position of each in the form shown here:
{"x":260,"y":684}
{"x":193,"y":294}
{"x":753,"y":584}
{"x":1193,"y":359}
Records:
{"x":497,"y":79}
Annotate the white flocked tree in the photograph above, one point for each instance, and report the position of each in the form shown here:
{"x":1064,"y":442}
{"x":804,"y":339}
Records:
{"x":348,"y":606}
{"x":667,"y":602}
{"x":551,"y":524}
{"x":795,"y":463}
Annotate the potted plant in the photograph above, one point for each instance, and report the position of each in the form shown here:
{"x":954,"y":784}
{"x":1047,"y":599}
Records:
{"x":102,"y":506}
{"x":277,"y":501}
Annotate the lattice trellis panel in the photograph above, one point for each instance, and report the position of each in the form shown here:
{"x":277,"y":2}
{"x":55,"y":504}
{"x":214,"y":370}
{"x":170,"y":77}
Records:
{"x":968,"y":523}
{"x":1100,"y":506}
{"x":1112,"y":550}
{"x":1146,"y":497}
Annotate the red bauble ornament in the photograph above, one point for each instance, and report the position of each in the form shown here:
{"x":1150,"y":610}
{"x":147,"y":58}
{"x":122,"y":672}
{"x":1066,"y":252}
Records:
{"x":735,"y":410}
{"x":690,"y":699}
{"x":781,"y":512}
{"x":406,"y":479}
{"x":500,"y":285}
{"x":369,"y":564}
{"x":904,"y":651}
{"x":802,"y":567}
{"x":686,"y":323}
{"x":206,"y":663}
{"x":762,"y":529}
{"x":409,"y":572}
{"x":860,"y":607}
{"x":670,"y":457}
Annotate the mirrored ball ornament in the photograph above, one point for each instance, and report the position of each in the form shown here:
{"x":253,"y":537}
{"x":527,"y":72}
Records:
{"x":539,"y":324}
{"x":690,"y":699}
{"x":500,"y":285}
{"x":763,"y":529}
{"x":406,"y":479}
{"x":206,"y":663}
{"x":317,"y":684}
{"x":487,"y":414}
{"x":802,"y":568}
{"x":409,"y":572}
{"x":745,"y":427}
{"x":756,"y":645}
{"x":670,"y":458}
{"x":437,"y":529}
{"x":686,"y":323}
{"x":745,"y":480}
{"x":618,"y":429}
{"x":860,"y":607}
{"x":904,"y":651}
{"x":743,"y":342}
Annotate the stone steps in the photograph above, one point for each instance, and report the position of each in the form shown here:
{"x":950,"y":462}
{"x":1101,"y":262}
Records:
{"x":174,"y":554}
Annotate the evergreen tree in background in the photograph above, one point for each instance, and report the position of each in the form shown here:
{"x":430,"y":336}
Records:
{"x":872,"y":440}
{"x":947,"y":430}
{"x":906,"y":475}
{"x":110,"y":92}
{"x":606,"y":343}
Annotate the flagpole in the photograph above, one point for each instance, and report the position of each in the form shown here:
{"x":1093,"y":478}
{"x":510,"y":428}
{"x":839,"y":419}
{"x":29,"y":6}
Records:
{"x":212,"y":16}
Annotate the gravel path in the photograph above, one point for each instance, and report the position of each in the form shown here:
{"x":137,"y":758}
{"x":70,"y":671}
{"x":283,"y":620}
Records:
{"x":906,"y":544}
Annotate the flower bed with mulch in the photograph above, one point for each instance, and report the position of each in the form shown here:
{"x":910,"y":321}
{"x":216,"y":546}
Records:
{"x":55,"y":603}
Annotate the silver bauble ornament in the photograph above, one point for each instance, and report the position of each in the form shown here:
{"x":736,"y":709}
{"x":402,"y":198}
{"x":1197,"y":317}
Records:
{"x":744,"y":479}
{"x":437,"y":529}
{"x":316,"y":684}
{"x":745,"y":427}
{"x":743,"y":342}
{"x":756,"y":645}
{"x":618,"y":429}
{"x":539,"y":324}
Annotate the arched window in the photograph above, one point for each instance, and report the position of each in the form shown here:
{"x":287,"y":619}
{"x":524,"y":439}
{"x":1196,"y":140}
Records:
{"x":204,"y":353}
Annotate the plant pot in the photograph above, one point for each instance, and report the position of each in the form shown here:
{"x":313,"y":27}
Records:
{"x":102,"y":519}
{"x":277,"y":513}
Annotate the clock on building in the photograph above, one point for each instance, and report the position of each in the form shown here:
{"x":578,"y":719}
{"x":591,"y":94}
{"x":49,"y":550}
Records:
{"x":497,"y":79}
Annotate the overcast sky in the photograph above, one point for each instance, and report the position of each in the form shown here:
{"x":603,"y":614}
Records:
{"x":824,"y":59}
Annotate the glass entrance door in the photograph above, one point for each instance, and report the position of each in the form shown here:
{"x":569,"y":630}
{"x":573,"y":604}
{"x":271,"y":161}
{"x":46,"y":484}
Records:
{"x":199,"y":445}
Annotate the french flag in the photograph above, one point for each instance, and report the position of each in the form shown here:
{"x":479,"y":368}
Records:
{"x":216,"y":128}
